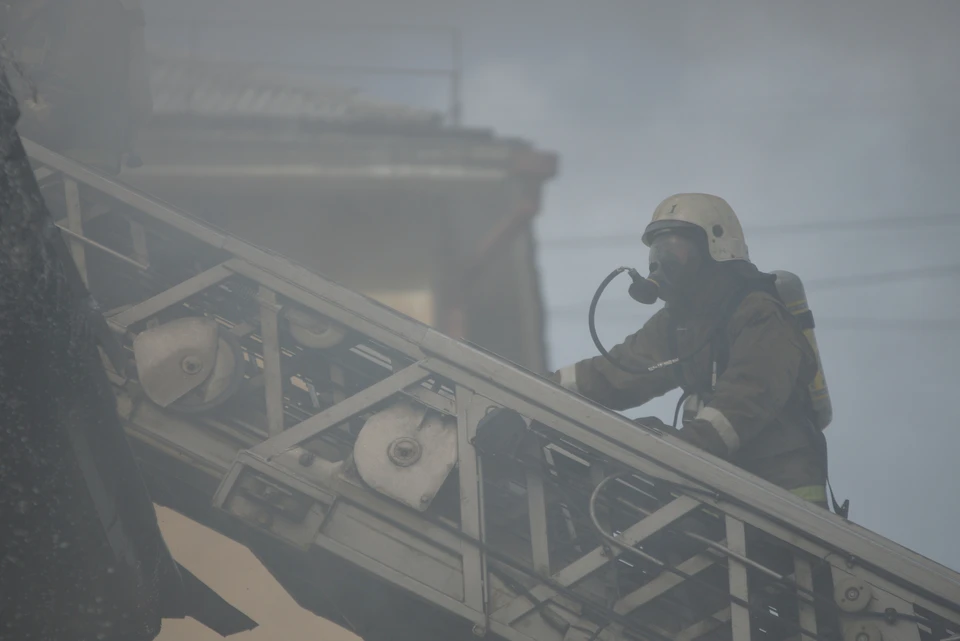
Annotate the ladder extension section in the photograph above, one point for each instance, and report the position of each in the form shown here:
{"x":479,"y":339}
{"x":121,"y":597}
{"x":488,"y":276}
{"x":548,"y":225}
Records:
{"x":350,"y":445}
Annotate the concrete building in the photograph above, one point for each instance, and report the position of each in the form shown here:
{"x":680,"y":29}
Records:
{"x":432,"y":220}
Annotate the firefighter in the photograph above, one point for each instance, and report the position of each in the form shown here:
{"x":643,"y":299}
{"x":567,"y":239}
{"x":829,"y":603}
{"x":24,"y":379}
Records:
{"x":745,"y":363}
{"x":78,"y":70}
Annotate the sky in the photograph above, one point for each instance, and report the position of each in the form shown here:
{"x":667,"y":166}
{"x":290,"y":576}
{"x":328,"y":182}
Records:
{"x":794,"y":112}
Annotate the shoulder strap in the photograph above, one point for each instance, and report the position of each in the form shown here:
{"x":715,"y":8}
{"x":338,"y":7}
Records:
{"x":719,"y":349}
{"x":721,"y":346}
{"x":673,"y":351}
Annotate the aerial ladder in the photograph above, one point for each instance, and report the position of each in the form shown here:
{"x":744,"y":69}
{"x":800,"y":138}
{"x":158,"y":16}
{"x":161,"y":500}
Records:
{"x":416,"y":487}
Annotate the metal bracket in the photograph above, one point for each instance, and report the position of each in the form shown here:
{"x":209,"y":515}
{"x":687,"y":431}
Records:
{"x":597,"y":558}
{"x":272,"y":371}
{"x":345,"y":410}
{"x":174,"y":295}
{"x":470,"y":409}
{"x":739,"y":615}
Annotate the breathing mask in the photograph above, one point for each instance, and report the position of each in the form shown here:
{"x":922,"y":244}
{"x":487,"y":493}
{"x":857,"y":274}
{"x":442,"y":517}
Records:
{"x":675,"y":262}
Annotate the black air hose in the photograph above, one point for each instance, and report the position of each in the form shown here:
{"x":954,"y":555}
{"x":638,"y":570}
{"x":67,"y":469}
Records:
{"x":592,"y":322}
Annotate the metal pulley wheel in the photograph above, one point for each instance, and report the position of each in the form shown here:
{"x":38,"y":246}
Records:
{"x":222,"y":384}
{"x":863,"y":632}
{"x":313,"y":330}
{"x":852,"y":595}
{"x":189,"y":365}
{"x":406,"y":451}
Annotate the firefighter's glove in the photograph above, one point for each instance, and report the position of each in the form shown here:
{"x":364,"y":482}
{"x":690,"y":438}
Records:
{"x":701,"y":433}
{"x":655,"y":423}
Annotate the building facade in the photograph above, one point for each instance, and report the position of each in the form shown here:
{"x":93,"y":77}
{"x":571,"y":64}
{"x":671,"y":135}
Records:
{"x":432,"y":220}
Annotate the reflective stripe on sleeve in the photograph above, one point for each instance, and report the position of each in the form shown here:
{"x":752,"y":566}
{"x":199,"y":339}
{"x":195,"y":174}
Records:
{"x":723,"y":427}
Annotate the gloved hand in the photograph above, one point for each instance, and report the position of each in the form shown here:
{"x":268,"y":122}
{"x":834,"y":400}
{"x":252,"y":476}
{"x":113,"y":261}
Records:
{"x":700,"y":433}
{"x":656,"y":423}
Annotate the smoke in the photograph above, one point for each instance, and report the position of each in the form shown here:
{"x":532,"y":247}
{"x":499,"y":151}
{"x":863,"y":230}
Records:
{"x":812,"y":111}
{"x":793,"y":113}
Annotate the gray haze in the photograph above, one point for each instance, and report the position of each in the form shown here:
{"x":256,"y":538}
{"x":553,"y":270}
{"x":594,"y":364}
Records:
{"x":800,"y":112}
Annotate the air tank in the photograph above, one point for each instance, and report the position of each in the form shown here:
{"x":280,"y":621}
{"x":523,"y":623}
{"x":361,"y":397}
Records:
{"x":792,"y":293}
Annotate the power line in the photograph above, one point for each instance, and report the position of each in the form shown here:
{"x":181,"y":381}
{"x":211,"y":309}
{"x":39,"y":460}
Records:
{"x":823,"y":226}
{"x":835,"y":282}
{"x":856,"y":280}
{"x":919,"y":325}
{"x":891,"y":324}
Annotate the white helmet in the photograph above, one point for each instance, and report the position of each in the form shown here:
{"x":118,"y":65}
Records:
{"x":712,"y":214}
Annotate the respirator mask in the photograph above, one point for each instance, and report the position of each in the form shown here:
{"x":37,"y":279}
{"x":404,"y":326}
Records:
{"x":675,"y":263}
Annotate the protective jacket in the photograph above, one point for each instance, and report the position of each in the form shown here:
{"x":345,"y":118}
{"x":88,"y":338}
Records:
{"x":757,"y":413}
